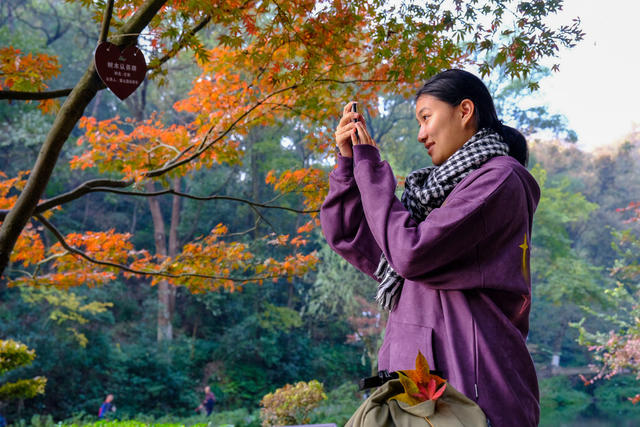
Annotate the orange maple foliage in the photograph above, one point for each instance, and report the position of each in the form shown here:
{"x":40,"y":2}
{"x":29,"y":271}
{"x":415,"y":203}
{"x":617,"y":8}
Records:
{"x":209,"y":256}
{"x":29,"y":247}
{"x":69,"y":270}
{"x":148,"y":146}
{"x":312,"y":183}
{"x":8,"y":184}
{"x":208,"y":264}
{"x":28,"y":72}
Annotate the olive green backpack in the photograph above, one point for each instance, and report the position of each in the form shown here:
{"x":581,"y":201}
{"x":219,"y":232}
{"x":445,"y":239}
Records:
{"x":452,"y":409}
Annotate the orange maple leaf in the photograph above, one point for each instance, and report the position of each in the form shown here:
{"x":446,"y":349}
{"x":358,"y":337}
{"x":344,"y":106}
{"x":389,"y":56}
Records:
{"x":419,"y":384}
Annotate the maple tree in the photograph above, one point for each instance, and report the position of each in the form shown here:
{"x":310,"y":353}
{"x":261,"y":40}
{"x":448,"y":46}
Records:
{"x":268,"y":63}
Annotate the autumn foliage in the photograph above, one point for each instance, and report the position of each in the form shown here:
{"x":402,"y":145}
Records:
{"x":291,"y":404}
{"x":28,"y":72}
{"x":265,"y":63}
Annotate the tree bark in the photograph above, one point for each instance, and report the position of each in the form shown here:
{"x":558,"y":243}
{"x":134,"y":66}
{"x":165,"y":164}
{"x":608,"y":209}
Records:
{"x":174,"y":245}
{"x":166,"y":291}
{"x":165,"y":329}
{"x":71,"y":111}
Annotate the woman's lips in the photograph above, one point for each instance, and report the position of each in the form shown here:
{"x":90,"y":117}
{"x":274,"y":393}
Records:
{"x":429,"y":146}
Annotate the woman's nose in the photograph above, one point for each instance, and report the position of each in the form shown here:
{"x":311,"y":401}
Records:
{"x":422,"y":136}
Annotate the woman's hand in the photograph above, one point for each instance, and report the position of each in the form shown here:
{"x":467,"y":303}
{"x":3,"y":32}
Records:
{"x":346,"y":132}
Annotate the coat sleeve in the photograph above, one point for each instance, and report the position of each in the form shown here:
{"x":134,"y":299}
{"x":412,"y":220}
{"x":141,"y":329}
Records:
{"x":446,"y":240}
{"x":343,"y":221}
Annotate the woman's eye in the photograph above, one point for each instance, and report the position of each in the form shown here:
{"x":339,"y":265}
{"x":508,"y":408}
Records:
{"x":425,"y":117}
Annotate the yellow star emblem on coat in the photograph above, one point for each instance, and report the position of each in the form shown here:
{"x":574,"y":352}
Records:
{"x":524,"y":246}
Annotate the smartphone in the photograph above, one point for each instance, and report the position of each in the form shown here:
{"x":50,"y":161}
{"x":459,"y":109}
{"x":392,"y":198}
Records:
{"x":354,"y":109}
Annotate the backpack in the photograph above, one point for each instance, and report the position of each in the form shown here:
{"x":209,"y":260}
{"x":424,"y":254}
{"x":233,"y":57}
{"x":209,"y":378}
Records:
{"x":452,"y":409}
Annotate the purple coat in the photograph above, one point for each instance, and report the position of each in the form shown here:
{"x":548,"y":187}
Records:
{"x":467,"y":292}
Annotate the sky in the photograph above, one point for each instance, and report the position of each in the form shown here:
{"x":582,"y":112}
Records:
{"x":598,"y":85}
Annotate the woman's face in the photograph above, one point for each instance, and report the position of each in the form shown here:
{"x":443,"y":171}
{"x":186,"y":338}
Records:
{"x":443,"y":128}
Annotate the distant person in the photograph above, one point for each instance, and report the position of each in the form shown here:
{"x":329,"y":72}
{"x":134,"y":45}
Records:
{"x":106,"y":407}
{"x":209,"y":401}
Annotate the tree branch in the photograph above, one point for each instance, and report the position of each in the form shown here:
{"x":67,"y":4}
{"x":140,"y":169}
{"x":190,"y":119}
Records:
{"x":75,"y":251}
{"x":111,"y":186}
{"x":78,"y":192}
{"x":106,"y":21}
{"x":193,"y":197}
{"x":33,"y":96}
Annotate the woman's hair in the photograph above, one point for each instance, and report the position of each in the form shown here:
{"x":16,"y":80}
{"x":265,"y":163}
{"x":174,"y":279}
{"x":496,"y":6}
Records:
{"x":454,"y":86}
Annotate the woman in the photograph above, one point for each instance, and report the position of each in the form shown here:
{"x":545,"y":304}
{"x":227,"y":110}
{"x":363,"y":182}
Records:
{"x":452,"y":258}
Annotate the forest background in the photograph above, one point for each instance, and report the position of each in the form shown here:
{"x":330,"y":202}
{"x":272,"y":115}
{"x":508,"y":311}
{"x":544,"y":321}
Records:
{"x":213,"y":270}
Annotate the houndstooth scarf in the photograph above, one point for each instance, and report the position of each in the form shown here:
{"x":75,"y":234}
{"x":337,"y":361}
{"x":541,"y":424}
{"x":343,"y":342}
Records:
{"x":426,"y":189}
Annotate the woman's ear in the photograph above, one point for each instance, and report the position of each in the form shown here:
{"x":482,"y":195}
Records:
{"x":467,"y":111}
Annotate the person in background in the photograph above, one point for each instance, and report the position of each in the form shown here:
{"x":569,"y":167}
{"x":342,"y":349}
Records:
{"x":209,"y":401}
{"x":106,"y":407}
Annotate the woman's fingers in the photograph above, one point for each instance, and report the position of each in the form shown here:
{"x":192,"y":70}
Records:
{"x":363,"y":135}
{"x":346,"y":128}
{"x":347,"y":108}
{"x":343,"y":135}
{"x":349,"y":117}
{"x":350,"y":124}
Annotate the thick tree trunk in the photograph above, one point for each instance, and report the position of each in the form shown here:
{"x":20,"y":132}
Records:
{"x":174,"y":245}
{"x":71,"y":111}
{"x":165,"y":330}
{"x":165,"y":315}
{"x":166,"y":291}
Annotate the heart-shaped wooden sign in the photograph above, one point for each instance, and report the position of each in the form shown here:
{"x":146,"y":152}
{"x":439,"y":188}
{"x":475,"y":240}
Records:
{"x":122,"y":71}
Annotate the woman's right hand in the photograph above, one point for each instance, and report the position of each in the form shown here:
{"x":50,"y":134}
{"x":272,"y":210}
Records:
{"x":346,"y":130}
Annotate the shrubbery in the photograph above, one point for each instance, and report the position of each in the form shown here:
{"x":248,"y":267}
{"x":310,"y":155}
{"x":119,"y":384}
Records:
{"x":291,"y":404}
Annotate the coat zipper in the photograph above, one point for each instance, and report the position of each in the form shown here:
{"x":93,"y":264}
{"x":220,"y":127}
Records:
{"x":475,"y":359}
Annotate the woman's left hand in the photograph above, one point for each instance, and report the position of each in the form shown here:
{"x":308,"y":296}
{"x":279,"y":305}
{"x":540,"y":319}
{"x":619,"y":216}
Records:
{"x":363,"y":137}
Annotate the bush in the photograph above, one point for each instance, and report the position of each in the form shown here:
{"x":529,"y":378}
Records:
{"x":237,"y":418}
{"x":291,"y":404}
{"x":612,"y":397}
{"x":560,"y":401}
{"x":340,"y":405}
